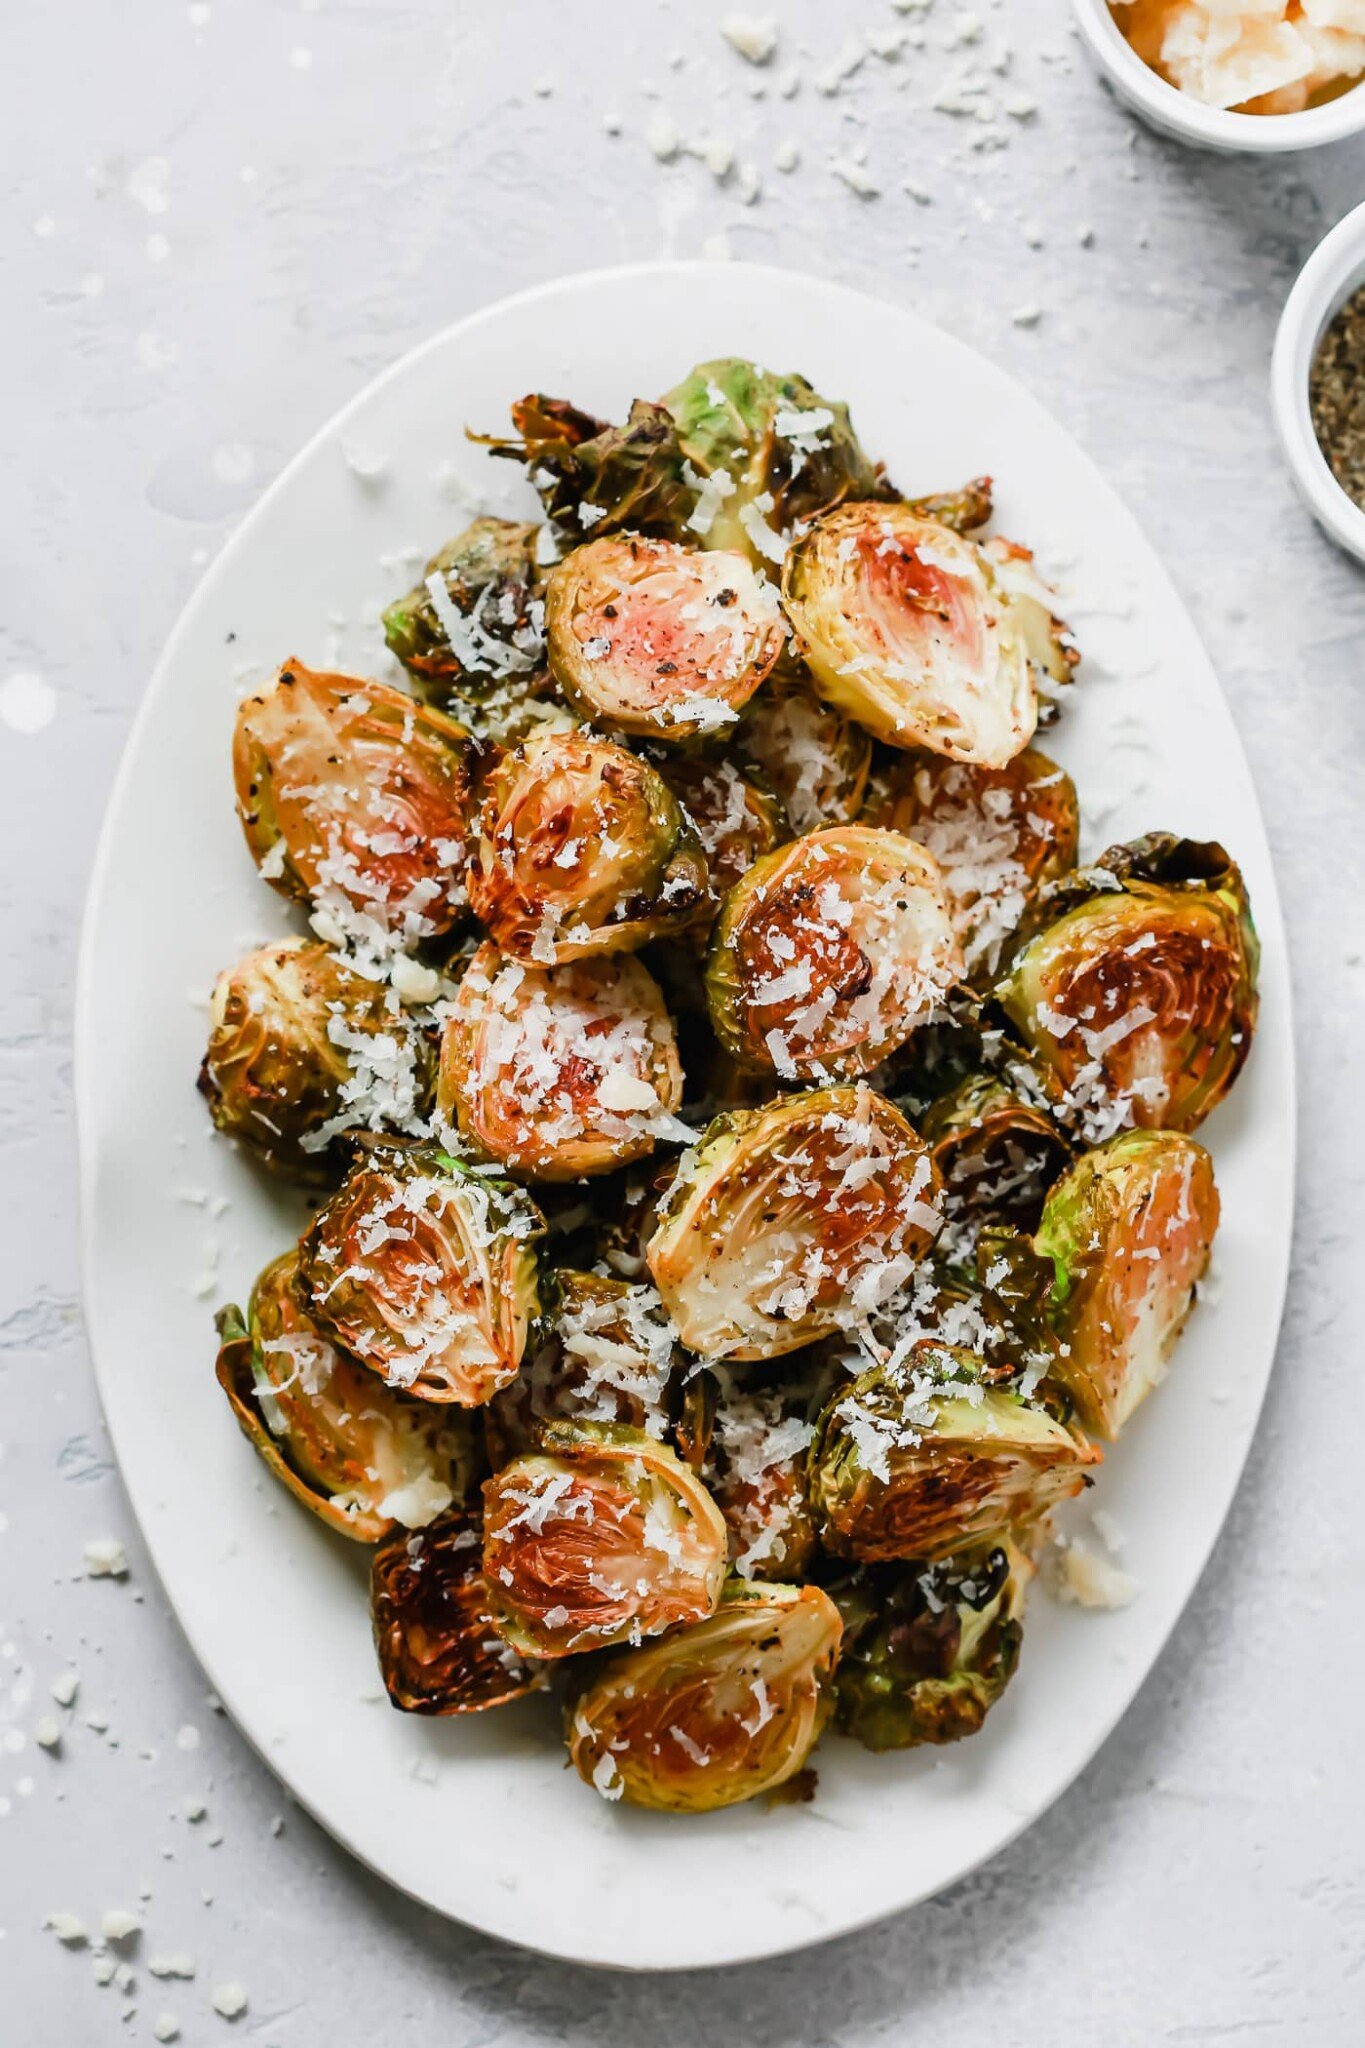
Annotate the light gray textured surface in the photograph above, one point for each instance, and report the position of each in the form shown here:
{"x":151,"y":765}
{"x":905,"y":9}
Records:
{"x":174,"y":337}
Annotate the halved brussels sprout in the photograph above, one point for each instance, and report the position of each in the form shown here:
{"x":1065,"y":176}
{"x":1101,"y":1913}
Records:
{"x":736,"y":819}
{"x":425,"y":1270}
{"x":1047,"y":639}
{"x":605,"y":1353}
{"x":604,"y":1536}
{"x":791,"y":1221}
{"x":765,"y":451}
{"x":922,"y":1458}
{"x":907,"y":627}
{"x":829,"y":953}
{"x":560,"y":1072}
{"x":581,"y":849}
{"x":1128,"y":1230}
{"x":596,"y":478}
{"x":302,"y":1048}
{"x":477,"y":615}
{"x":355,"y":797}
{"x":755,"y":1466}
{"x":716,"y":1713}
{"x":362,"y":1458}
{"x":929,"y":1648}
{"x":815,"y":760}
{"x":997,"y":833}
{"x":659,"y":639}
{"x":997,"y":1153}
{"x":1138,"y":999}
{"x":438,"y":1650}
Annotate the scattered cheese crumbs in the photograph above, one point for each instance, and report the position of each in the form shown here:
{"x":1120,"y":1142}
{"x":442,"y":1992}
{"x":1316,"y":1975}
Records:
{"x":228,"y":2000}
{"x":856,"y":176}
{"x":1019,"y":106}
{"x":754,"y":36}
{"x":748,"y":185}
{"x":176,"y":1965}
{"x":1108,"y":1531}
{"x":105,"y":1559}
{"x":839,"y":68}
{"x":187,"y":1737}
{"x":786,"y":156}
{"x":68,"y":1928}
{"x":366,"y":464}
{"x":167,"y":2027}
{"x":118,"y":1924}
{"x":411,"y":982}
{"x":1026,"y":316}
{"x":663,"y":137}
{"x":195,"y":1809}
{"x":103,"y":1968}
{"x":47,"y":1732}
{"x":1085,"y":1579}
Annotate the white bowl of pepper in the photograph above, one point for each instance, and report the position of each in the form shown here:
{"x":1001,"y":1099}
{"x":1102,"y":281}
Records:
{"x":1317,"y":383}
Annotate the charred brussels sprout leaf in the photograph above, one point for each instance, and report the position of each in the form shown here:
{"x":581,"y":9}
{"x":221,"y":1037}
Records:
{"x":603,"y":1536}
{"x":962,"y":510}
{"x":604,"y":1352}
{"x":581,"y":849}
{"x":928,"y":1649}
{"x":908,"y":628}
{"x":997,"y":1153}
{"x":792,"y":1221}
{"x":302,"y":1048}
{"x":998,"y":834}
{"x":716,"y":1713}
{"x":655,"y":638}
{"x":560,"y":1072}
{"x":816,"y":761}
{"x":919,"y":1459}
{"x":362,"y":1458}
{"x":1128,"y":1231}
{"x":476,"y":617}
{"x":355,"y":797}
{"x":829,"y":953}
{"x":438,"y":1650}
{"x":1138,"y":999}
{"x":594,"y":478}
{"x":766,"y":451}
{"x":425,"y":1270}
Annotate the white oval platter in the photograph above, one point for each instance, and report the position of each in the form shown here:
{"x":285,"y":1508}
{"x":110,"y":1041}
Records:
{"x":479,"y":1817}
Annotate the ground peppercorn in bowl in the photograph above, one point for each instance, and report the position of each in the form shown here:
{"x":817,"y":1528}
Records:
{"x":1317,"y":383}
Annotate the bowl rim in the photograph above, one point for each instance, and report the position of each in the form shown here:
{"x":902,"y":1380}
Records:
{"x":1216,"y":127}
{"x":1335,"y":268}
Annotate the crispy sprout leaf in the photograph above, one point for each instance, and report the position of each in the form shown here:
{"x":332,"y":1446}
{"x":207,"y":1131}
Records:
{"x":594,"y":478}
{"x":716,"y":1713}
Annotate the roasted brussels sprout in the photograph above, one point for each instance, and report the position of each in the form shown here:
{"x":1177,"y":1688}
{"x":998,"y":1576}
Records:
{"x":716,"y":1713}
{"x":581,"y":849}
{"x":659,"y":639}
{"x":997,"y":833}
{"x":791,"y":1221}
{"x":963,"y":510}
{"x":908,"y":628}
{"x":770,"y":451}
{"x":596,"y":478}
{"x":361,"y":1457}
{"x":302,"y":1048}
{"x":755,"y":1467}
{"x":998,"y":1154}
{"x":477,"y":616}
{"x":929,"y":1648}
{"x":356,"y":798}
{"x":425,"y":1270}
{"x":1128,"y":1230}
{"x":439,"y":1652}
{"x":1047,"y":639}
{"x":829,"y":953}
{"x":1138,"y":999}
{"x":605,"y":1353}
{"x":560,"y":1072}
{"x":815,"y":760}
{"x":736,"y":818}
{"x":604,"y":1536}
{"x":922,"y":1458}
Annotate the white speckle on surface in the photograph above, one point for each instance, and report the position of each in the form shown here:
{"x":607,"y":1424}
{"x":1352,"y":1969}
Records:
{"x":856,"y":176}
{"x":105,"y":1558}
{"x":149,"y":184}
{"x":1026,"y":316}
{"x":27,"y":701}
{"x":228,"y":2000}
{"x":65,"y":1687}
{"x":663,"y":137}
{"x":154,"y":351}
{"x":158,"y":248}
{"x":177,"y":1964}
{"x":787,"y":155}
{"x":301,"y":58}
{"x":166,"y":2027}
{"x":233,"y":462}
{"x":187,"y":1738}
{"x":44,"y":227}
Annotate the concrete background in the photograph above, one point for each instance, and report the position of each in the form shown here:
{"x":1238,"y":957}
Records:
{"x":219,"y":221}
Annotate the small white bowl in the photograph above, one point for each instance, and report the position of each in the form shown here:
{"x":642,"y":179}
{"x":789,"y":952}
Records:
{"x":1333,"y":271}
{"x":1173,"y":112}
